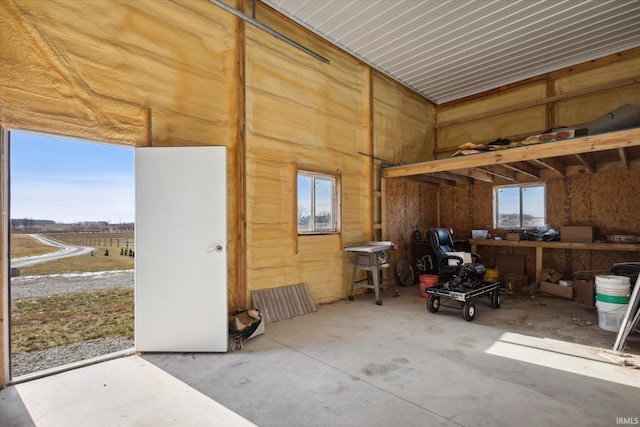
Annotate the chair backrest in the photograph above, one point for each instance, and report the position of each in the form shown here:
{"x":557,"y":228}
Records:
{"x":441,"y":241}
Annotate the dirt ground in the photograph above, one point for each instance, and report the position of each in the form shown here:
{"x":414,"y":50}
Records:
{"x":556,"y":318}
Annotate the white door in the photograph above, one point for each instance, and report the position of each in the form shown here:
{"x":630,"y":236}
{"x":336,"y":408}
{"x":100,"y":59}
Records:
{"x":181,"y":249}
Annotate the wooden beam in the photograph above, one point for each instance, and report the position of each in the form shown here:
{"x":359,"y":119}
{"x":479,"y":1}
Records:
{"x":475,"y":174}
{"x":433,"y":180}
{"x":533,"y":152}
{"x":552,"y":164}
{"x":499,"y":171}
{"x":624,"y":158}
{"x":523,"y":168}
{"x":588,"y":163}
{"x":452,"y":176}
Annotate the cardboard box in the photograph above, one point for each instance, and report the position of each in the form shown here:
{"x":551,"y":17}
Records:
{"x":515,"y":282}
{"x":576,"y":233}
{"x":509,"y":264}
{"x":585,"y":293}
{"x":514,"y":236}
{"x":555,"y":289}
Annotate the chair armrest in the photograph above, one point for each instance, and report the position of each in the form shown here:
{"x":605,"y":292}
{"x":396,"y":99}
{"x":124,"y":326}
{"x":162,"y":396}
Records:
{"x":477,"y":258}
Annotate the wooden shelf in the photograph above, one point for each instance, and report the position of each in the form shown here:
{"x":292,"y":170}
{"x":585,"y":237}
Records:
{"x":539,"y":246}
{"x":595,"y":246}
{"x":614,"y":151}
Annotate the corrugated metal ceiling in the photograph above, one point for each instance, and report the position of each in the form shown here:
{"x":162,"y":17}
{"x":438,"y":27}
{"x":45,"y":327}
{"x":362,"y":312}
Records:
{"x":449,"y":49}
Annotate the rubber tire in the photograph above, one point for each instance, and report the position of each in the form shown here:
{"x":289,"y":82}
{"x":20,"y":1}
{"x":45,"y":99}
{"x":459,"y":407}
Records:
{"x":495,"y":299}
{"x":433,"y":303}
{"x":469,"y":311}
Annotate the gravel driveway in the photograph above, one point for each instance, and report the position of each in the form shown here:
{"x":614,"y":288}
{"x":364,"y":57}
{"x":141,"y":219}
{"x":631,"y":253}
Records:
{"x":55,"y":284}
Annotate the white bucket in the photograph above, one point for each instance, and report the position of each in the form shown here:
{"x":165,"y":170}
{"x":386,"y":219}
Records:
{"x":613,"y":285}
{"x":610,"y":316}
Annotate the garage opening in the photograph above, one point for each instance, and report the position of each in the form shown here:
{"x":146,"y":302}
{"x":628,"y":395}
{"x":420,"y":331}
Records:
{"x":72,"y":251}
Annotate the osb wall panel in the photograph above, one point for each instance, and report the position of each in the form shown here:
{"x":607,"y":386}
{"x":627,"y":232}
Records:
{"x":303,"y":113}
{"x":607,"y":201}
{"x":403,"y":123}
{"x":409,"y":204}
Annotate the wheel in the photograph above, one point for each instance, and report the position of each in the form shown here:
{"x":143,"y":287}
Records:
{"x":378,"y":302}
{"x":433,"y":303}
{"x":495,"y":299}
{"x":469,"y":311}
{"x":350,"y":297}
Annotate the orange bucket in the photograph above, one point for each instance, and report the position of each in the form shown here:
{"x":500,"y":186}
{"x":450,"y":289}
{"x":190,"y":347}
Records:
{"x":426,"y":281}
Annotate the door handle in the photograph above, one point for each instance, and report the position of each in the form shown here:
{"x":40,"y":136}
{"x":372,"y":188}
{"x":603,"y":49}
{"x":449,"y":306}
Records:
{"x":218,"y":249}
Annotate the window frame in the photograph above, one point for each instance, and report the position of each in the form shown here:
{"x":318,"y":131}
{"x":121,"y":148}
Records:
{"x":521,"y":187}
{"x":335,"y":201}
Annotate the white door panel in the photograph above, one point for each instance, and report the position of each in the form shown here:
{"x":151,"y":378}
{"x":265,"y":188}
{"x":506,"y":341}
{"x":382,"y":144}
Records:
{"x":181,"y":249}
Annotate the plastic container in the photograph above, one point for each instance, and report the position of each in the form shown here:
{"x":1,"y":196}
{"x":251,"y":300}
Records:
{"x":610,"y":316}
{"x":491,"y":275}
{"x":612,"y":298}
{"x":426,"y":281}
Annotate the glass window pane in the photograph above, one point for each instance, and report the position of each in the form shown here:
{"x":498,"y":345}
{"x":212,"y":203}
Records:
{"x":324,"y":204}
{"x":533,"y":206}
{"x":508,"y":215}
{"x":304,"y":203}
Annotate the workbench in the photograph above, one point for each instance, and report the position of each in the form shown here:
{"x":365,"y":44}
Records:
{"x":540,"y":246}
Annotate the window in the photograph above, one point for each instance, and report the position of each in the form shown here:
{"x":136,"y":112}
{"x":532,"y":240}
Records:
{"x":519,"y":206}
{"x":317,"y":203}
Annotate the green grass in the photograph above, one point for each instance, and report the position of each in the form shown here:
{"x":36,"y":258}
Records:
{"x":57,"y":320}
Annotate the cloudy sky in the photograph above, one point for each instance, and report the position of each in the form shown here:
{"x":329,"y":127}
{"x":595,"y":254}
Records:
{"x":70,"y":181}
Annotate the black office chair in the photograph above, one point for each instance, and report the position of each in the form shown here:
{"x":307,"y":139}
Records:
{"x":442,"y":243}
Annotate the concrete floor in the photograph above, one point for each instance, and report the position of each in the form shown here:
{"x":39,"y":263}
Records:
{"x":355,"y":363}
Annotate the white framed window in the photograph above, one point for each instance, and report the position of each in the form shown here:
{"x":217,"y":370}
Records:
{"x":318,"y":195}
{"x":519,"y":206}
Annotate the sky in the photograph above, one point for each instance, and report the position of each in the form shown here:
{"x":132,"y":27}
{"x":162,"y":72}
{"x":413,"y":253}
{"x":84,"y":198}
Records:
{"x":69,"y":181}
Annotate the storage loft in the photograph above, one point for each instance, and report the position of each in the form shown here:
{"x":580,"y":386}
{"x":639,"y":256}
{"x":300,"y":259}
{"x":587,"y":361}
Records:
{"x":613,"y":151}
{"x":590,"y":180}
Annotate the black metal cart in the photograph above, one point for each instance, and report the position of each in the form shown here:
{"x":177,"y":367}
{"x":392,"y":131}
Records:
{"x":464,"y":293}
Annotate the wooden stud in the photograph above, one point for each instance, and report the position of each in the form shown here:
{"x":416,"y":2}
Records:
{"x":624,"y":159}
{"x":588,"y":163}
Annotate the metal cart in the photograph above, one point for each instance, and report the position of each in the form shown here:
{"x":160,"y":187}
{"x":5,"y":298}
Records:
{"x":465,"y":293}
{"x":372,"y":257}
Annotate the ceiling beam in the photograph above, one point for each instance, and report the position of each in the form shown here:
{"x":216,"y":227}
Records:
{"x":452,"y":176}
{"x":499,"y":171}
{"x":554,"y":164}
{"x":624,"y":159}
{"x":524,"y":168}
{"x":586,"y":162}
{"x":476,"y":174}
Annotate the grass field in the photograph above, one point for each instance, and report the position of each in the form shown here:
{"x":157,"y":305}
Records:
{"x":45,"y":322}
{"x":56,"y":320}
{"x":23,"y":245}
{"x":27,"y":246}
